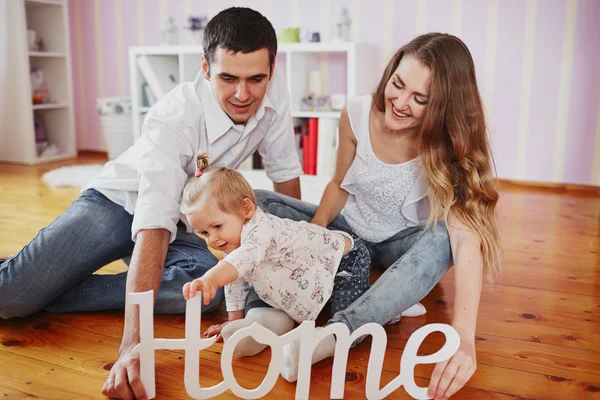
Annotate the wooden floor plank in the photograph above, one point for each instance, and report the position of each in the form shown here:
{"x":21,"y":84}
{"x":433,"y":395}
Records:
{"x":559,"y":329}
{"x":46,"y":380}
{"x":542,"y":300}
{"x":13,"y":394}
{"x":513,"y":354}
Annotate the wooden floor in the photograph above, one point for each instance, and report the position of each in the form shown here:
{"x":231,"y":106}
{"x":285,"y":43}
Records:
{"x":538,"y":335}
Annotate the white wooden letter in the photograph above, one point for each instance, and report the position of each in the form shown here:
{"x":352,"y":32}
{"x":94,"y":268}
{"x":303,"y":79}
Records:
{"x":145,"y":303}
{"x":192,"y":344}
{"x":410,"y":359}
{"x":305,"y":334}
{"x":261,"y":335}
{"x":195,"y":343}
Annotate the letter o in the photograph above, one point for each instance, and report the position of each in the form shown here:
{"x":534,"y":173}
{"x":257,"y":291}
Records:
{"x":261,"y":335}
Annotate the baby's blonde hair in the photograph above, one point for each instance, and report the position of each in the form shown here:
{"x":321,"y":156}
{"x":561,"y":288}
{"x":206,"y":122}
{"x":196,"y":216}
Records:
{"x":224,"y":187}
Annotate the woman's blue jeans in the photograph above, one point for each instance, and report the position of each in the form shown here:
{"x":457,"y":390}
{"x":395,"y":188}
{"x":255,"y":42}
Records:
{"x":414,"y":260}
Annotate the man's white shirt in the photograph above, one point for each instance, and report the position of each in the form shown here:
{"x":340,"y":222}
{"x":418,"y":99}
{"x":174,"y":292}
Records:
{"x":148,"y":179}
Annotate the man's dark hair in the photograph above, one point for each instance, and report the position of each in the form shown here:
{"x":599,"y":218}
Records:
{"x":239,"y":29}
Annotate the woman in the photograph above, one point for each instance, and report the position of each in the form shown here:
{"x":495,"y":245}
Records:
{"x":414,"y":180}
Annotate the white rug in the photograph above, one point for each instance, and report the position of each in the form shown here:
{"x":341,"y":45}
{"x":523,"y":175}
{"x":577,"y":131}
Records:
{"x":79,"y":175}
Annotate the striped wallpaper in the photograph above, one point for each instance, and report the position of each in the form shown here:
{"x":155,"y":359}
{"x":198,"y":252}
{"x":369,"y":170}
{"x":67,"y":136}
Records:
{"x":537,"y":61}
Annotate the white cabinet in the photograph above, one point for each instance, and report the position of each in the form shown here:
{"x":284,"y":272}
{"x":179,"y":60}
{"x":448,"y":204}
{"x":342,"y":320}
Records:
{"x":298,"y":59}
{"x":49,"y":19}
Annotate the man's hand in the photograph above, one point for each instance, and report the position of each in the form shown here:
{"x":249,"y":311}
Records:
{"x":145,"y":273}
{"x":124,"y":380}
{"x":205,"y":285}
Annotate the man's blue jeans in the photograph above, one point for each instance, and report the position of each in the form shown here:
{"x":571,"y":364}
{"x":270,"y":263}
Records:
{"x":54,"y":271}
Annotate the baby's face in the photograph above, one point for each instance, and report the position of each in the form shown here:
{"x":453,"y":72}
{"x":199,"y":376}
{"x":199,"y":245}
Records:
{"x":222,"y":231}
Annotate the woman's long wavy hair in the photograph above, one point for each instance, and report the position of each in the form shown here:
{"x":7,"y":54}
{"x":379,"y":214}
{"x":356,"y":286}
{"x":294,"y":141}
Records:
{"x":454,"y":145}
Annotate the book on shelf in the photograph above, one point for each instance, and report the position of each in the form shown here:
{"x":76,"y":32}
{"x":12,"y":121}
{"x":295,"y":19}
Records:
{"x":309,"y":146}
{"x":316,"y":143}
{"x":160,"y":72}
{"x":304,"y":146}
{"x":326,"y":147}
{"x":298,"y":133}
{"x":148,"y":99}
{"x":316,"y":140}
{"x":257,"y":162}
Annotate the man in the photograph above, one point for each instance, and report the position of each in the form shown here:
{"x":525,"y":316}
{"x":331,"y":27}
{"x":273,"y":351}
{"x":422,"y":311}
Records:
{"x":237,"y":104}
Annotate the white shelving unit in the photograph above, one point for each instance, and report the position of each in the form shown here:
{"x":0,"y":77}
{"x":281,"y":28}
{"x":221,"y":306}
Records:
{"x":298,"y":60}
{"x":49,"y":18}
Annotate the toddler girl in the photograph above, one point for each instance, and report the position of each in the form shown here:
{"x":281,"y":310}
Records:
{"x":294,"y":266}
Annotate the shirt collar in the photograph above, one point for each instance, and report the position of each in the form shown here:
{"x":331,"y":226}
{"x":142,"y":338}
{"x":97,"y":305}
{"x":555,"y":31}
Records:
{"x":217,"y":121}
{"x":252,"y":223}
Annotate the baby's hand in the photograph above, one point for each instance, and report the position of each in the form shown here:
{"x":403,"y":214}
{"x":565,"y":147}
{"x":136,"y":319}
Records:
{"x":206,"y":286}
{"x":216,"y":330}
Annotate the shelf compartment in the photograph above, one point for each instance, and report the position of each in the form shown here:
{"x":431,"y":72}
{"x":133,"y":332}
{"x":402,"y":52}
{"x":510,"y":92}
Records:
{"x":302,"y":63}
{"x":58,"y":132}
{"x":46,"y":18}
{"x":55,"y":76}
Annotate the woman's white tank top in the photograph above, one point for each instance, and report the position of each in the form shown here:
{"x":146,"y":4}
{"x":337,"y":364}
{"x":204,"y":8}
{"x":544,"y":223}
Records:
{"x":384,"y":199}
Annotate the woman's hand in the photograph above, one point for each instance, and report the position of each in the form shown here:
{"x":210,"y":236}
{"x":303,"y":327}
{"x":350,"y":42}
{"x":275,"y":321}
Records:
{"x":451,"y":375}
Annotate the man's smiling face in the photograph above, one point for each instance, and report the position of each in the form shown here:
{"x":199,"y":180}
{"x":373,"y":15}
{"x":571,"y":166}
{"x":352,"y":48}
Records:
{"x":239,"y":81}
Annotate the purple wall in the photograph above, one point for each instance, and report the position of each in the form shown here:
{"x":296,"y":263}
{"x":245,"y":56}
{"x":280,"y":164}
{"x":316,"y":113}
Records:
{"x":544,"y":158}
